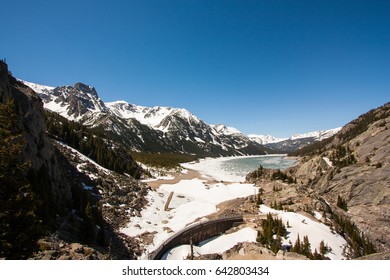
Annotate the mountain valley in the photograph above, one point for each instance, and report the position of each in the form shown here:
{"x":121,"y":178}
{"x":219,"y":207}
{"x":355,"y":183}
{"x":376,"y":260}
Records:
{"x":85,"y":162}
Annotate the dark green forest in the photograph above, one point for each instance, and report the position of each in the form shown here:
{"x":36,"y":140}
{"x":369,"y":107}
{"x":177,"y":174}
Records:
{"x":93,"y":143}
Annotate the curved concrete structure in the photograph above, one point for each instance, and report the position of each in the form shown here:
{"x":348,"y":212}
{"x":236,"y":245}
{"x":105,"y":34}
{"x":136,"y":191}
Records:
{"x":197,"y":233}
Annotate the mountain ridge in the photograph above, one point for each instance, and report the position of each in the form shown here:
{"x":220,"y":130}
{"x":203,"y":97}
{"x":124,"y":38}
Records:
{"x":295,"y":141}
{"x":176,"y":129}
{"x":146,"y":129}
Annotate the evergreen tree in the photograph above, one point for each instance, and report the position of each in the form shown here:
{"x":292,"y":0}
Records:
{"x":259,"y":200}
{"x":306,"y":246}
{"x":272,"y":231}
{"x":322,"y":248}
{"x":19,"y":224}
{"x":297,"y":246}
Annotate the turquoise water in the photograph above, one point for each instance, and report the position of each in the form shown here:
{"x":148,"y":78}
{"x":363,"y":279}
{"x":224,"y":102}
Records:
{"x":242,"y":166}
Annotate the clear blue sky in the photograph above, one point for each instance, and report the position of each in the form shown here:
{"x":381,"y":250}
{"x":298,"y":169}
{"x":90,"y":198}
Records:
{"x":266,"y":66}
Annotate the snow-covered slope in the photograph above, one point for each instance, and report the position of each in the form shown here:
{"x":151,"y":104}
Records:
{"x":148,"y":116}
{"x":226,"y":130}
{"x":41,"y":89}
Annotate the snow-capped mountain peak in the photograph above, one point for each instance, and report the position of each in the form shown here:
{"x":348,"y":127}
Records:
{"x":298,"y":141}
{"x":265,"y":139}
{"x":150,"y":116}
{"x":185,"y":114}
{"x":317,"y":135}
{"x":226,"y":130}
{"x":76,"y":102}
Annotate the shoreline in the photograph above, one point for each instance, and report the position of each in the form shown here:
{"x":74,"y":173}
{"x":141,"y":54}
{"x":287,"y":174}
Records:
{"x":177,"y":177}
{"x":174,"y":177}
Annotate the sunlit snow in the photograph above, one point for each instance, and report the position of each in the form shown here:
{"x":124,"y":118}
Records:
{"x":316,"y":232}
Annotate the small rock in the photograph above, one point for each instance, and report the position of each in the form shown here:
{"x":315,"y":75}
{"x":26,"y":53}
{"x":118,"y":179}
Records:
{"x":77,"y":248}
{"x":168,"y":230}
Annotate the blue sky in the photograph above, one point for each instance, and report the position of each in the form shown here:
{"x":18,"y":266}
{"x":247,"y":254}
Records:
{"x":266,"y":67}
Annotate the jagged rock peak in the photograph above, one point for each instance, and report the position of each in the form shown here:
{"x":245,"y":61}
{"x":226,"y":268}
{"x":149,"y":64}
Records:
{"x":85,"y":89}
{"x":226,"y":130}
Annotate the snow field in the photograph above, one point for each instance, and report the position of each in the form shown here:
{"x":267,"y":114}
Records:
{"x":192,"y":199}
{"x":315,"y":231}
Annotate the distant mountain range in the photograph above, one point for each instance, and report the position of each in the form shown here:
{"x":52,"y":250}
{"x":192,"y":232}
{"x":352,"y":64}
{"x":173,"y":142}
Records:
{"x":163,"y":129}
{"x":295,"y":142}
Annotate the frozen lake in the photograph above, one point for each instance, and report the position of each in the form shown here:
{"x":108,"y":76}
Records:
{"x":234,"y":169}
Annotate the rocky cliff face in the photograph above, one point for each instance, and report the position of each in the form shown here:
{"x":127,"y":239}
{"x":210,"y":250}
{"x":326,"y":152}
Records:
{"x":37,"y":149}
{"x":356,"y":167}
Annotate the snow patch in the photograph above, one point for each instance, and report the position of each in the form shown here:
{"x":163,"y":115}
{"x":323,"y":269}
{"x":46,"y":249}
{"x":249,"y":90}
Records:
{"x":328,"y":161}
{"x":316,"y":232}
{"x":37,"y":87}
{"x":192,"y":199}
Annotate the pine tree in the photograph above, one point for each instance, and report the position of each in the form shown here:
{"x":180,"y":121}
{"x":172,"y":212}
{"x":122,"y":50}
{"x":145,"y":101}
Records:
{"x":297,"y":246}
{"x":19,"y":224}
{"x":322,"y":248}
{"x":306,"y":246}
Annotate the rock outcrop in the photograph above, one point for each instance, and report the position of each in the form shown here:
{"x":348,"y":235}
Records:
{"x":357,"y":169}
{"x":37,"y":148}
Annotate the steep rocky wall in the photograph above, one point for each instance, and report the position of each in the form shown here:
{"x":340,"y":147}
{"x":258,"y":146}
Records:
{"x":44,"y":171}
{"x":364,"y":184}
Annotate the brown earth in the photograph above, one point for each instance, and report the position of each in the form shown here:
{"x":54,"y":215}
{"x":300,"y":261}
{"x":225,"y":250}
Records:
{"x":178,"y":176}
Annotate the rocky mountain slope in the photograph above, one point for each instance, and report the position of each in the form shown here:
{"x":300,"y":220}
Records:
{"x":347,"y":176}
{"x":144,"y":129}
{"x":355,"y":166}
